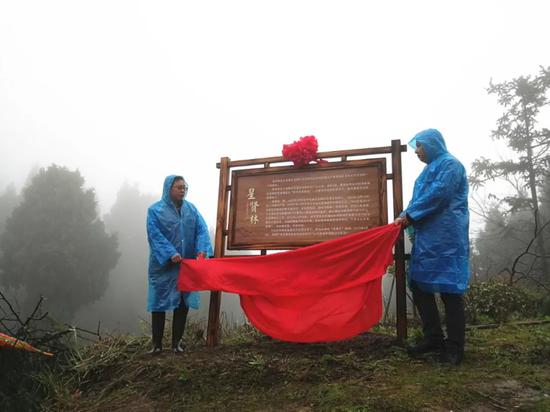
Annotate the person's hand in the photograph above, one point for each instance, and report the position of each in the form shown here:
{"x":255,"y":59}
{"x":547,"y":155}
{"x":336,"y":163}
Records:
{"x":201,"y":256}
{"x":402,"y":221}
{"x":176,"y":258}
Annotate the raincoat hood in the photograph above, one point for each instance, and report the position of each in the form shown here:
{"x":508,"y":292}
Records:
{"x":432,"y":141}
{"x":168,"y":182}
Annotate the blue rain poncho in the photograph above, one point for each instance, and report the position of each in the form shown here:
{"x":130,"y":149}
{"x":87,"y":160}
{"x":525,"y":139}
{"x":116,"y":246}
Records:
{"x":440,"y":218}
{"x":168,"y":233}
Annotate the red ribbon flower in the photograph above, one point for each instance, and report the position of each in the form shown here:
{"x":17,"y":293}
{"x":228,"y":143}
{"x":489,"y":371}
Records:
{"x":302,"y":151}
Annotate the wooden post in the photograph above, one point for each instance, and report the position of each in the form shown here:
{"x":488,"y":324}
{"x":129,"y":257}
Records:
{"x":213,"y":329}
{"x":400,"y":281}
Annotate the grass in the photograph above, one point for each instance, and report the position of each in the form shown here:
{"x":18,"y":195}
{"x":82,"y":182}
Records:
{"x":505,"y":369}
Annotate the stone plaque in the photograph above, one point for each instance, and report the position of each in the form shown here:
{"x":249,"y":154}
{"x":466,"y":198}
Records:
{"x":287,"y":207}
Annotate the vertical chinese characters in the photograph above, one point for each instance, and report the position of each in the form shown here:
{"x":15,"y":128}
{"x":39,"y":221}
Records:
{"x":253,"y":206}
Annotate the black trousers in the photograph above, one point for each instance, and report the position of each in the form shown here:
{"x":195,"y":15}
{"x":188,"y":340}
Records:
{"x":455,"y":320}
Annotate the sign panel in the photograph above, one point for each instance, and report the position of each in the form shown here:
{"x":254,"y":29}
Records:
{"x":286,"y":207}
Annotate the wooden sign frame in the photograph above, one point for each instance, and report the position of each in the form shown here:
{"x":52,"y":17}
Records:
{"x":341,"y":158}
{"x":319,"y":183}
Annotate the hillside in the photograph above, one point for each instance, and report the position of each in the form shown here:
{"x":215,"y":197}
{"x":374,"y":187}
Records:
{"x":505,"y":369}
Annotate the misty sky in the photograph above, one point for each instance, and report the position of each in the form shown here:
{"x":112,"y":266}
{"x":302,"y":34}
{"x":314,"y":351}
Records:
{"x":135,"y":90}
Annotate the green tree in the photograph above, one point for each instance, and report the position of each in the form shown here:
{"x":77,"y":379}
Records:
{"x":8,"y":200}
{"x":522,"y":99}
{"x":488,"y":256}
{"x":124,"y":302}
{"x":55,"y":245}
{"x":501,"y":245}
{"x":545,"y":200}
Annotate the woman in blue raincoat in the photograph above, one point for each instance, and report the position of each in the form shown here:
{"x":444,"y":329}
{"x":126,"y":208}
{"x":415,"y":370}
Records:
{"x":438,"y":213}
{"x":175,"y":230}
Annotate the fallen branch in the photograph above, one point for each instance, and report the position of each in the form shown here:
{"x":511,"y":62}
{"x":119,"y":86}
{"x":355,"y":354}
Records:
{"x":497,"y":325}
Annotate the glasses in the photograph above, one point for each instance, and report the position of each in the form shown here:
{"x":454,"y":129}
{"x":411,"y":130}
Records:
{"x":181,"y":186}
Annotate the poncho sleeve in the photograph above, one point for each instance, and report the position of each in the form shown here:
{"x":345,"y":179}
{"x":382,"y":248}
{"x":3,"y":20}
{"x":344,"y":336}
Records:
{"x":161,"y":247}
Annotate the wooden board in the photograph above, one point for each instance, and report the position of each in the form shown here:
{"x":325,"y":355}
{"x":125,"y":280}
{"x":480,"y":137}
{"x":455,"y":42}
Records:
{"x":288,"y":207}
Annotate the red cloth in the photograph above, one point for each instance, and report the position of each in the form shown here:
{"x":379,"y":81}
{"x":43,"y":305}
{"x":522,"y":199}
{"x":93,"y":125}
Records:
{"x":325,"y":292}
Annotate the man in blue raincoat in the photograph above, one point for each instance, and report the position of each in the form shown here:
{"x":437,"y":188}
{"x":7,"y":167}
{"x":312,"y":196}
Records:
{"x":438,"y":213}
{"x":175,"y":230}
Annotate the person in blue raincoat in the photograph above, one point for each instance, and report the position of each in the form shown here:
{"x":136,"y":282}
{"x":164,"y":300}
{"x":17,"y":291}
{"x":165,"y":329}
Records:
{"x":175,"y":230}
{"x":438,"y":214}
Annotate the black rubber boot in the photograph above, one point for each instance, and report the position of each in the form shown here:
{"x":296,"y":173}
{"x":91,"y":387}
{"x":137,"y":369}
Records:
{"x":178,"y":328}
{"x":157,"y":328}
{"x":426,"y":346}
{"x":452,"y":355}
{"x":455,"y":321}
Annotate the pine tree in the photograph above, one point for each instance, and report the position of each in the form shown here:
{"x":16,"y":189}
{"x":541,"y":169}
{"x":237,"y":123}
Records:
{"x":522,"y":98}
{"x":55,"y":245}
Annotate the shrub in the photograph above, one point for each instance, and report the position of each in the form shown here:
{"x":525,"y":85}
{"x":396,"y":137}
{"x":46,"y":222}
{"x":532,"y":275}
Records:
{"x":498,"y":301}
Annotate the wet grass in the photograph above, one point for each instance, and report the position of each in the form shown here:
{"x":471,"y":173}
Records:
{"x":505,"y":369}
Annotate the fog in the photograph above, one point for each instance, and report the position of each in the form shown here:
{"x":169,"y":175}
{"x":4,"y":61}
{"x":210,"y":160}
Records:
{"x":128,"y":92}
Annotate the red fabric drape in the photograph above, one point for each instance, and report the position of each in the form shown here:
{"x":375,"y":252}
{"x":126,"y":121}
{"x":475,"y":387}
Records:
{"x":325,"y":292}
